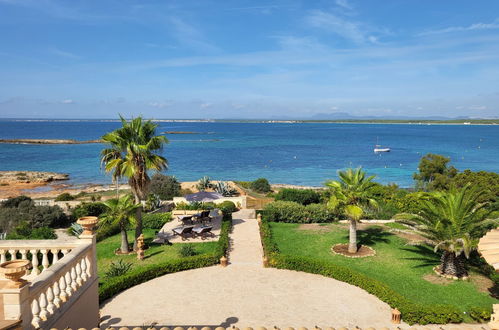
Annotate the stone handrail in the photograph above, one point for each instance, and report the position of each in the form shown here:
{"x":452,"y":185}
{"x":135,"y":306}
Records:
{"x":48,"y":251}
{"x":51,"y":291}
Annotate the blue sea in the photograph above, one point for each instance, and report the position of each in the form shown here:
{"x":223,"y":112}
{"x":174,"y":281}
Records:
{"x":292,"y":153}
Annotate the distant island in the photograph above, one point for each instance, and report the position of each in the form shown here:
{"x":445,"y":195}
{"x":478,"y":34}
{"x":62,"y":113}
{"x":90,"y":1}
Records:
{"x":47,"y":141}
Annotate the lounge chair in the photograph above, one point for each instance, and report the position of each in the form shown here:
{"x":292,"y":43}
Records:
{"x":183,"y":231}
{"x":203,"y":231}
{"x":186,"y":219}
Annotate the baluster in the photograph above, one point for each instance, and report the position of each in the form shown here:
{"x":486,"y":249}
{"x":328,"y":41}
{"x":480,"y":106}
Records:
{"x":35,"y":310}
{"x":2,"y":256}
{"x":67,"y":277}
{"x":57,"y":292}
{"x":43,"y":307}
{"x":50,"y":301}
{"x":55,"y":254}
{"x":84,"y":275}
{"x":23,"y":254}
{"x":79,"y":280}
{"x":34,"y":262}
{"x":62,"y":285}
{"x":13,"y":254}
{"x":74,"y":285}
{"x":89,"y":266}
{"x":45,"y":259}
{"x":64,"y":252}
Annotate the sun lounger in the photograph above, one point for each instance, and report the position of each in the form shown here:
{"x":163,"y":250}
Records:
{"x":203,"y":231}
{"x":184,"y":231}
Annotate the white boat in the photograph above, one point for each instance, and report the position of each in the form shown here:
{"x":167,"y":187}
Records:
{"x":379,"y":148}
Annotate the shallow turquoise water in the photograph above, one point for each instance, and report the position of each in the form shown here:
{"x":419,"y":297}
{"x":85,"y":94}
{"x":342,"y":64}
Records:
{"x":306,"y":154}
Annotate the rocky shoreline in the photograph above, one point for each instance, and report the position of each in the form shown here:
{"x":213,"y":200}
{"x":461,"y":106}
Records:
{"x":33,"y":177}
{"x":47,"y":141}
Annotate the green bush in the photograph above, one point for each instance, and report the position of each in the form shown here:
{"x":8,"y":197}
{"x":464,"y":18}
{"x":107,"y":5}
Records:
{"x":412,"y":313}
{"x":24,"y":231}
{"x":319,"y":213}
{"x":155,"y":220}
{"x":89,"y":209}
{"x":118,"y":268}
{"x":227,"y":207}
{"x":107,"y":231}
{"x":137,"y":276}
{"x":260,"y":185}
{"x":165,"y":186}
{"x":64,"y":197}
{"x":187,"y":250}
{"x":244,"y":184}
{"x":302,"y":196}
{"x":282,"y":211}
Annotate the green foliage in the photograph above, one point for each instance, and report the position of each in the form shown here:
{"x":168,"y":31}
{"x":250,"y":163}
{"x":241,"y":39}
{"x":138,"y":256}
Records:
{"x":261,"y":185}
{"x":187,"y":250}
{"x":434,"y":174}
{"x":156,"y":220}
{"x":64,"y":197}
{"x":411,"y":202}
{"x":88,"y":209}
{"x":118,"y":268}
{"x":152,"y":203}
{"x":25,"y":231}
{"x":75,"y":230}
{"x":224,"y":189}
{"x":227,"y":207}
{"x":165,"y":186}
{"x":192,"y":206}
{"x":292,"y":212}
{"x":244,"y":184}
{"x":480,"y":315}
{"x":139,"y":275}
{"x":487,"y":182}
{"x":204,"y":183}
{"x":20,"y":209}
{"x":302,"y":196}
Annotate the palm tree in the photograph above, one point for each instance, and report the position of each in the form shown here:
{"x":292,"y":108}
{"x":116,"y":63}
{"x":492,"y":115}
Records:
{"x":351,"y":196}
{"x":121,"y":212}
{"x":453,"y":221}
{"x":132,"y":152}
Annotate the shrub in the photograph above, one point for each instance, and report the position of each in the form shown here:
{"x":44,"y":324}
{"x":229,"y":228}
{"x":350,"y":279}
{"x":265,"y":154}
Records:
{"x":117,"y":284}
{"x":75,"y":230}
{"x":155,"y":220}
{"x":15,"y":201}
{"x":24,"y":231}
{"x":118,"y":268}
{"x":411,"y":312}
{"x":282,"y":211}
{"x":319,"y":213}
{"x":260,"y":185}
{"x":302,"y":196}
{"x":244,"y":184}
{"x":64,"y":197}
{"x":204,"y":183}
{"x":89,"y":209}
{"x":165,"y":186}
{"x":227,"y":207}
{"x":104,"y":232}
{"x":187,"y":250}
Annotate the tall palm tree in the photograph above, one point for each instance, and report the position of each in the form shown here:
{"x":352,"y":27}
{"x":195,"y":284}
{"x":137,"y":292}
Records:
{"x":351,"y":196}
{"x":453,"y":221}
{"x":131,"y":153}
{"x":121,"y":212}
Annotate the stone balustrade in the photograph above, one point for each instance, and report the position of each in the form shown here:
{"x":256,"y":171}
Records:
{"x":62,"y":289}
{"x":234,"y":328}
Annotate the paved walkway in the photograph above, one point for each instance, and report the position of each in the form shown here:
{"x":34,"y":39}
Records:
{"x":246,"y":294}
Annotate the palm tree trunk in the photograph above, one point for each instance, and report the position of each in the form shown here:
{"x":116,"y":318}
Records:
{"x":124,"y":240}
{"x":138,"y":227}
{"x":452,"y":265}
{"x":352,"y":245}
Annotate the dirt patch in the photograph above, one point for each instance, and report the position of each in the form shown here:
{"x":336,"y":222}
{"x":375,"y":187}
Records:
{"x":413,"y":238}
{"x":485,"y":284}
{"x":316,"y":227}
{"x":435,"y":279}
{"x":363,"y":251}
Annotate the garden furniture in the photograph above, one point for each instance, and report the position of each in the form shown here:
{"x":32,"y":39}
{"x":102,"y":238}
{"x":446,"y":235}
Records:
{"x":183,"y":231}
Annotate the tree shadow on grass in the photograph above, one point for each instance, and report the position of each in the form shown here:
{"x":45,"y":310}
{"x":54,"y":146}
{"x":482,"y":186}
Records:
{"x":372,"y":235}
{"x":427,"y":256}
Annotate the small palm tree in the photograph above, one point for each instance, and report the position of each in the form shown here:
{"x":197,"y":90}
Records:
{"x":132,"y":152}
{"x":121,"y":212}
{"x":351,"y":196}
{"x":453,"y":221}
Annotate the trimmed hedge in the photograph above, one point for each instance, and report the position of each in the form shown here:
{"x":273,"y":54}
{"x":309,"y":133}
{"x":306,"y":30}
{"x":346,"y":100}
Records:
{"x":292,"y":212}
{"x":412,"y":313}
{"x":155,"y":220}
{"x":137,"y":276}
{"x":302,"y":196}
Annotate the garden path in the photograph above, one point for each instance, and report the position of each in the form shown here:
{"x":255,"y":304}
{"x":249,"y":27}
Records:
{"x":246,"y":294}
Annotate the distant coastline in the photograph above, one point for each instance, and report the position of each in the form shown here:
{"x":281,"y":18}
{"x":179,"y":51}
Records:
{"x":47,"y":141}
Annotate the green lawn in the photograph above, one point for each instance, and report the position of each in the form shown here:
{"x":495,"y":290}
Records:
{"x":400,"y":266}
{"x":156,"y":253}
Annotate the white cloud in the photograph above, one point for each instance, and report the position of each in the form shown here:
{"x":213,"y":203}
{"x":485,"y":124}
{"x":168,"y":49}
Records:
{"x":206,"y":105}
{"x":477,"y":107}
{"x":63,"y":53}
{"x":189,"y":35}
{"x":344,"y":4}
{"x":68,"y":101}
{"x":476,"y":26}
{"x":160,"y":105}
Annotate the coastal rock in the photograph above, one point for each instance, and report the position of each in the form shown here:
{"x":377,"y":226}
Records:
{"x":47,"y":141}
{"x":16,"y":177}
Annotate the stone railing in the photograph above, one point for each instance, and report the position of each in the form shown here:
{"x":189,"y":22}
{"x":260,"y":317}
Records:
{"x":233,"y":328}
{"x":62,"y":289}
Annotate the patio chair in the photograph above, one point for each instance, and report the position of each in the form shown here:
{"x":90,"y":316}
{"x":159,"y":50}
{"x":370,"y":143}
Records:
{"x":203,"y":232}
{"x":183,"y":231}
{"x":186,"y":220}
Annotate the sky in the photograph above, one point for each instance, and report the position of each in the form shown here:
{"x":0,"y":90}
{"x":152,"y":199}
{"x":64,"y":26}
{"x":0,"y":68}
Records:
{"x":249,"y":59}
